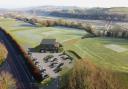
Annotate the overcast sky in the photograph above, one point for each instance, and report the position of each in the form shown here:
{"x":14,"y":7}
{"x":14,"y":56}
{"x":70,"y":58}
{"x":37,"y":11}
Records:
{"x":82,"y":3}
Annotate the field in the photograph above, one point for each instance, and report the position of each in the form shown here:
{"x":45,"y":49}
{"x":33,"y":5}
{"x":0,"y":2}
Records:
{"x":91,"y":48}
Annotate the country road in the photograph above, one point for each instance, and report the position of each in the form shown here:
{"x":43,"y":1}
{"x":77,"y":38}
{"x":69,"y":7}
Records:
{"x":18,"y":67}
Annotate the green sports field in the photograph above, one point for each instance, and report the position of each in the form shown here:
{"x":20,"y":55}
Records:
{"x":93,"y":49}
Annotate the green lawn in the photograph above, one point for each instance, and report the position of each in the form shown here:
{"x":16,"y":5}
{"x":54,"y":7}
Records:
{"x":95,"y":50}
{"x":88,"y":48}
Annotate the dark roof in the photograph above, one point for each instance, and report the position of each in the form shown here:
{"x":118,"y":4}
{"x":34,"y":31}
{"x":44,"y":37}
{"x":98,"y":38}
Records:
{"x":48,"y":41}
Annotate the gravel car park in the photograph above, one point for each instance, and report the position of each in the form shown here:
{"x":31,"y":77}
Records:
{"x":50,"y":64}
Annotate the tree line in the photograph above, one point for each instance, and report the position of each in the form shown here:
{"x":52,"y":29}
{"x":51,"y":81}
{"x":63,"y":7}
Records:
{"x":58,"y":22}
{"x":116,"y":31}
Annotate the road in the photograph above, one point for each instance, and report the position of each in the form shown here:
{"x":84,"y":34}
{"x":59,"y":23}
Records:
{"x":19,"y":69}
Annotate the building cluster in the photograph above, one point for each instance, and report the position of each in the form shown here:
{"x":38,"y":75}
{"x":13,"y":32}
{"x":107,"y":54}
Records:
{"x":114,"y":32}
{"x":49,"y":45}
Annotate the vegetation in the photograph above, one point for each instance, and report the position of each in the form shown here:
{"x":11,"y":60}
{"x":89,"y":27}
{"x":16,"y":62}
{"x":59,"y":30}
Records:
{"x":47,"y":81}
{"x":114,"y":17}
{"x":114,"y":14}
{"x":60,"y":22}
{"x":91,"y":48}
{"x":3,"y":53}
{"x":116,"y":31}
{"x":7,"y":81}
{"x":86,"y":75}
{"x":31,"y":66}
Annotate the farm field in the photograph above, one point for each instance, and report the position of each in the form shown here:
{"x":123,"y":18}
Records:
{"x":91,"y":48}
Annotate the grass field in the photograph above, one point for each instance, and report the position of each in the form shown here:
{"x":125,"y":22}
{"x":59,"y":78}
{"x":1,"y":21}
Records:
{"x":90,"y":48}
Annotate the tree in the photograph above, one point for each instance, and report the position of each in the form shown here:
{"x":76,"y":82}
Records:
{"x":85,"y":75}
{"x":89,"y":28}
{"x":7,"y":81}
{"x":51,"y":22}
{"x":3,"y":53}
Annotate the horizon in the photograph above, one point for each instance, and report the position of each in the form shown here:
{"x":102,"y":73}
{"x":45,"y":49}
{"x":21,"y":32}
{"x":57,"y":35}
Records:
{"x":17,"y":4}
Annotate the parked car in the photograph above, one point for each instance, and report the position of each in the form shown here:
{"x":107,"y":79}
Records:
{"x":52,"y":65}
{"x":42,"y":70}
{"x":65,"y":57}
{"x":46,"y":59}
{"x":61,"y":64}
{"x":53,"y":60}
{"x":34,"y":59}
{"x":56,"y":70}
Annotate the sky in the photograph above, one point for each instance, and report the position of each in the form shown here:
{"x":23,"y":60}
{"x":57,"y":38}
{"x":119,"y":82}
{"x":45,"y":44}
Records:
{"x":80,"y":3}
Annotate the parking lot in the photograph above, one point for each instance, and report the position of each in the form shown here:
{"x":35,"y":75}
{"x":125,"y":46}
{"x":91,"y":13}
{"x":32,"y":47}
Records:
{"x":51,"y":64}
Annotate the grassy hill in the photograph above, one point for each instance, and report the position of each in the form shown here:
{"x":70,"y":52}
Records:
{"x":77,"y":10}
{"x":118,"y":10}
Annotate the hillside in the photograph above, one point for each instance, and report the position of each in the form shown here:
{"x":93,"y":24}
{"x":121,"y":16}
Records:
{"x":77,"y":10}
{"x":119,"y":10}
{"x":73,"y":9}
{"x":96,"y":13}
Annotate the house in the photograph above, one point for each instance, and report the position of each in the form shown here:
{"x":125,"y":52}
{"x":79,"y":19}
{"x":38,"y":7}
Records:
{"x":49,"y":45}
